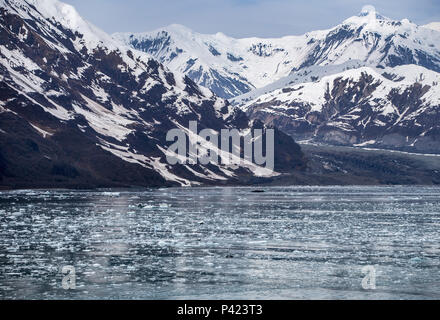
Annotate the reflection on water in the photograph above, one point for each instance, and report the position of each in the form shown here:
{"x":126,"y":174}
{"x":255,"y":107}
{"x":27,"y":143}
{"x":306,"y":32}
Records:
{"x":286,"y":243}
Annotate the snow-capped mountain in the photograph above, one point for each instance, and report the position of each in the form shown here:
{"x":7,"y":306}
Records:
{"x":78,"y":108}
{"x":433,"y":26}
{"x":382,"y":107}
{"x":231,"y":67}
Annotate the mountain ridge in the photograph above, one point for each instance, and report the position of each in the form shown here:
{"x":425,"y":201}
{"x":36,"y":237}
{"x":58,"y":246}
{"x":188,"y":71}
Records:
{"x":391,"y":108}
{"x":279,"y":71}
{"x":80,"y":110}
{"x":220,"y":62}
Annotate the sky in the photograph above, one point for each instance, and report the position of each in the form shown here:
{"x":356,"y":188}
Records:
{"x":244,"y":18}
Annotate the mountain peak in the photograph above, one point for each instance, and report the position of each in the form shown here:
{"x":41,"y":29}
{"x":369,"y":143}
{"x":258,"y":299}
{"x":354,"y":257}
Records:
{"x":367,"y":10}
{"x":370,"y":12}
{"x":367,"y":15}
{"x":63,"y":13}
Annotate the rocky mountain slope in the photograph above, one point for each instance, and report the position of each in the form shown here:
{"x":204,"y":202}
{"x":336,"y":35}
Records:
{"x":397,"y":108}
{"x":78,"y":109}
{"x":231,"y":67}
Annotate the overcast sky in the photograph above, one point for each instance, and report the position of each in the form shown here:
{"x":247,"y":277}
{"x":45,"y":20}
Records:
{"x":244,"y":18}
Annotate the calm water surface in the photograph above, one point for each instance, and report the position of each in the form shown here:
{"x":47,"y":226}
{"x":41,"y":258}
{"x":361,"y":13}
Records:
{"x":215,"y":243}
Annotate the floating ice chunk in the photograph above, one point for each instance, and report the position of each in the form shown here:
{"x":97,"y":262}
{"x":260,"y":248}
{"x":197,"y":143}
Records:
{"x":111,"y":194}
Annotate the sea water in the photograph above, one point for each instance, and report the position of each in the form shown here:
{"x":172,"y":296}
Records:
{"x":221,"y":243}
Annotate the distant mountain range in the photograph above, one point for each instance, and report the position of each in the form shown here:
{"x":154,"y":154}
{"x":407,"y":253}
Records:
{"x":230,"y":67}
{"x":79,"y":109}
{"x":392,"y":108}
{"x":370,"y":81}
